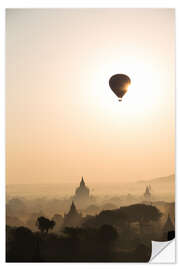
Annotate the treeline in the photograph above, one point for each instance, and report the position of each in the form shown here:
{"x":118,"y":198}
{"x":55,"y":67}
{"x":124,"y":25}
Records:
{"x":124,"y":216}
{"x":73,"y":245}
{"x":121,"y":235}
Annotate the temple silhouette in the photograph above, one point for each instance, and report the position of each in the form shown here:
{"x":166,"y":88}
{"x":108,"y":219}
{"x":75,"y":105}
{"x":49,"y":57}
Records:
{"x":73,"y":218}
{"x":82,"y":195}
{"x":168,"y":229}
{"x":147,"y":194}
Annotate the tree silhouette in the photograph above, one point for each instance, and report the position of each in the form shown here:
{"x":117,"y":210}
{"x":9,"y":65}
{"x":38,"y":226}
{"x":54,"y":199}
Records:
{"x":107,"y":234}
{"x":108,"y":217}
{"x":52,"y":223}
{"x":124,"y":216}
{"x":141,"y":213}
{"x":22,"y":246}
{"x":44,"y":224}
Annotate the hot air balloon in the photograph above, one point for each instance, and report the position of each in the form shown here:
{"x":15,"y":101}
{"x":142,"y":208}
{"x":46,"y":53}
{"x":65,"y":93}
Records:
{"x":119,"y":84}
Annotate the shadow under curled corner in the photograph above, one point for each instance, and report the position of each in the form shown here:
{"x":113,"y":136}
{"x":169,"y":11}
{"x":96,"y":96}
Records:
{"x":159,"y":247}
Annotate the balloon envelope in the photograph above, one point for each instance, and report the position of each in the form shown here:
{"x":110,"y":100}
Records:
{"x":119,"y":84}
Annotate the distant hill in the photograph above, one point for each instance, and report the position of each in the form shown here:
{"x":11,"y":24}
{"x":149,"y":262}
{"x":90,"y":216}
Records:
{"x":162,"y":188}
{"x":160,"y":180}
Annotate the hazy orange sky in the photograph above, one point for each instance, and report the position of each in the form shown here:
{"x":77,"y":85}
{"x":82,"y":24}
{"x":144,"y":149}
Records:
{"x":62,"y":119}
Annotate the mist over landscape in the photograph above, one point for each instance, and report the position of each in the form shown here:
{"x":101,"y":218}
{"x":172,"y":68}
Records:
{"x":162,"y":186}
{"x":57,"y":198}
{"x":80,"y":210}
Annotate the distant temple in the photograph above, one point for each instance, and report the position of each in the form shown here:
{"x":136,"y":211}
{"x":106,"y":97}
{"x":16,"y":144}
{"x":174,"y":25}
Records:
{"x":73,"y":218}
{"x":81,"y":196}
{"x":168,"y":226}
{"x":168,"y":230}
{"x":147,"y":193}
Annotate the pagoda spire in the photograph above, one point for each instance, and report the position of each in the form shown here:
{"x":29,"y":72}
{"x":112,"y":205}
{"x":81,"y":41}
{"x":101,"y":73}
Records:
{"x":168,"y":226}
{"x":73,"y":205}
{"x":82,"y":182}
{"x":73,"y":208}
